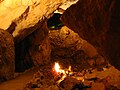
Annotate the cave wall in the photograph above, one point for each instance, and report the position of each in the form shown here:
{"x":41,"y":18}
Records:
{"x":98,"y":22}
{"x":22,"y":17}
{"x":95,"y":21}
{"x":24,"y":20}
{"x":69,"y":49}
{"x":7,"y":56}
{"x":40,"y":48}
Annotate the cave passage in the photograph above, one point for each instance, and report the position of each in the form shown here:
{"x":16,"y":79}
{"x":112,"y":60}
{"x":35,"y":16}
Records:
{"x":21,"y":52}
{"x":54,"y":22}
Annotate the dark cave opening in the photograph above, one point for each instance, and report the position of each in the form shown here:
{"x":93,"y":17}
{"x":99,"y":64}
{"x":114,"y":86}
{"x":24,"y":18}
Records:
{"x":22,"y":57}
{"x":23,"y":60}
{"x":54,"y":22}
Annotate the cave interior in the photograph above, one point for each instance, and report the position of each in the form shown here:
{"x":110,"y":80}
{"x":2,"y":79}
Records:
{"x":77,"y":48}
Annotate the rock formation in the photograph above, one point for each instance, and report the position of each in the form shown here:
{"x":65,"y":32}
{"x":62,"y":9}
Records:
{"x":34,"y":50}
{"x":22,"y":17}
{"x":98,"y":22}
{"x":25,"y":19}
{"x":68,"y":48}
{"x":7,"y":63}
{"x":40,"y":49}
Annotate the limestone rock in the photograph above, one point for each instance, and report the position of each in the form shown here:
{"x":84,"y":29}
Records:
{"x":40,"y":54}
{"x":98,"y":86}
{"x":35,"y":50}
{"x":7,"y":58}
{"x":22,"y":17}
{"x":65,"y":5}
{"x":70,"y":83}
{"x":64,"y":37}
{"x":98,"y":22}
{"x":69,"y":48}
{"x":32,"y":50}
{"x":109,"y":77}
{"x":40,"y":48}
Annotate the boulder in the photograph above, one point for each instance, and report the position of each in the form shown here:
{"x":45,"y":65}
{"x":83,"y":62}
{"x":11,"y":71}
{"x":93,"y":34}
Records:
{"x":41,"y":54}
{"x":7,"y":63}
{"x":40,"y":48}
{"x":98,"y":22}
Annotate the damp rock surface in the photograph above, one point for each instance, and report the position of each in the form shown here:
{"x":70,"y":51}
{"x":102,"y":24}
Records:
{"x":7,"y":63}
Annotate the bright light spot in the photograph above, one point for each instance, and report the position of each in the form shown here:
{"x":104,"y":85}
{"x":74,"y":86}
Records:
{"x":57,"y":67}
{"x":65,"y":72}
{"x":69,"y":68}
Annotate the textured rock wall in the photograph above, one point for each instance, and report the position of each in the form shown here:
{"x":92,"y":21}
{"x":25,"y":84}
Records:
{"x":71,"y":50}
{"x":98,"y":22}
{"x":40,"y":49}
{"x":7,"y":66}
{"x":22,"y":17}
{"x":34,"y":50}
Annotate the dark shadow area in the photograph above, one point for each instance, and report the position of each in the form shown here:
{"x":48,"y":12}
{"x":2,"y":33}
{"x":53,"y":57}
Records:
{"x":54,"y":22}
{"x":23,"y":60}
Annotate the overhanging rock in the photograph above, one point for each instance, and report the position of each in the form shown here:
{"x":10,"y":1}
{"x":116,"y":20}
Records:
{"x":98,"y":22}
{"x":21,"y":18}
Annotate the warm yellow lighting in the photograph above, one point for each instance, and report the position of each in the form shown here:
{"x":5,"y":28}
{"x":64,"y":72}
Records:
{"x":63,"y":73}
{"x":57,"y":67}
{"x":69,"y":68}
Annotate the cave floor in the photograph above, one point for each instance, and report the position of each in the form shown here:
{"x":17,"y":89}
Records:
{"x":19,"y":82}
{"x":106,"y":79}
{"x":111,"y":75}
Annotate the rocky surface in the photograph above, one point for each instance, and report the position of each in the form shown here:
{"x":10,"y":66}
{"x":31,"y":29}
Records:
{"x":7,"y":63}
{"x":65,"y":5}
{"x":44,"y":79}
{"x":34,"y":50}
{"x":41,"y":54}
{"x":62,"y":45}
{"x":68,"y":48}
{"x":40,"y":48}
{"x":25,"y":20}
{"x":98,"y":22}
{"x":25,"y":16}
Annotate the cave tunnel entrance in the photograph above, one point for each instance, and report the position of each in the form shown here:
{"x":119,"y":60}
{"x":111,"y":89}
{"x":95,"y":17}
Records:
{"x":67,"y":47}
{"x":54,"y":22}
{"x":23,"y":60}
